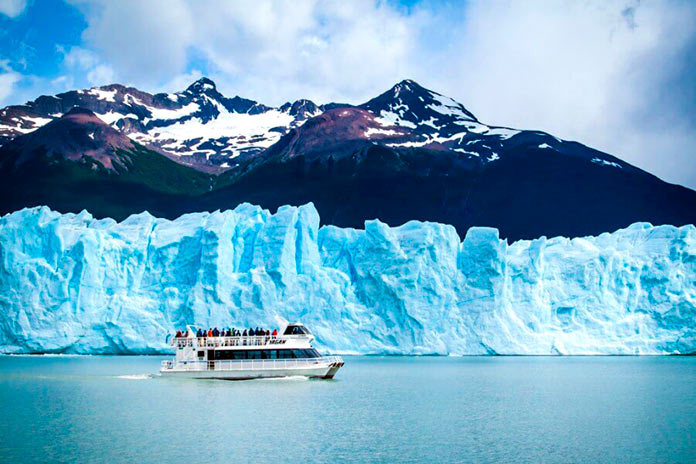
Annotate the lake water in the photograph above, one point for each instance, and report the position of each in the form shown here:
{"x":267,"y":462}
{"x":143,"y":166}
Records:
{"x":392,"y":409}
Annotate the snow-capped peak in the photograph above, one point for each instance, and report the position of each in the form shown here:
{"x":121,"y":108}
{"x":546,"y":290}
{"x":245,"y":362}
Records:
{"x":301,"y":109}
{"x":407,"y":85}
{"x":408,"y":104}
{"x":202,"y":85}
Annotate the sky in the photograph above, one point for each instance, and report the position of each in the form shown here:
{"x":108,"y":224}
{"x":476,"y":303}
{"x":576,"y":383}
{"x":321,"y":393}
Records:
{"x":619,"y":76}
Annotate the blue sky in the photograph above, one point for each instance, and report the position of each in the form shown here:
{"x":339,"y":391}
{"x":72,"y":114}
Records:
{"x":619,"y":76}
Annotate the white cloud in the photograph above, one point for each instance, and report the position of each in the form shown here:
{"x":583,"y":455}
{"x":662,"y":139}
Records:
{"x":273,"y":50}
{"x":146,"y":42}
{"x":8,"y":80}
{"x":179,"y":82}
{"x":86,"y":63}
{"x":12,"y":8}
{"x":589,"y":71}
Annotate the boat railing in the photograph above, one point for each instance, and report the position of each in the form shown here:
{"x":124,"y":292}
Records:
{"x":249,"y":364}
{"x":216,"y":342}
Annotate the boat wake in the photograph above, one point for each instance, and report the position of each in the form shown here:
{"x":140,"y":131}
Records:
{"x":135,"y":376}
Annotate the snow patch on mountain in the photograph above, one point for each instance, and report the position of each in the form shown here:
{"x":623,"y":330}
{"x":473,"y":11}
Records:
{"x":241,"y":132}
{"x":503,"y":132}
{"x":25,"y":124}
{"x":604,"y":162}
{"x":167,"y":114}
{"x":111,"y":117}
{"x":106,"y":95}
{"x":377,"y":131}
{"x":389,"y":118}
{"x":447,"y":106}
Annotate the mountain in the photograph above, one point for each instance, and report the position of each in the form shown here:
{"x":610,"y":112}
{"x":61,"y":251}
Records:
{"x":410,"y":153}
{"x":78,"y":136}
{"x":356,"y":164}
{"x":79,"y":162}
{"x":199,"y":125}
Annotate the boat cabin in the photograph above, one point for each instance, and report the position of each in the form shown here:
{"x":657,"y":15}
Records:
{"x":296,"y":329}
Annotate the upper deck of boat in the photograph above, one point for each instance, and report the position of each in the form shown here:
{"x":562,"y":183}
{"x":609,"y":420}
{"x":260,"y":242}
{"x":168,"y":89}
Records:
{"x":233,"y":342}
{"x":294,"y":334}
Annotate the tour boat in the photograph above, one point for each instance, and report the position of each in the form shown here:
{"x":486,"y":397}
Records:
{"x":250,"y":357}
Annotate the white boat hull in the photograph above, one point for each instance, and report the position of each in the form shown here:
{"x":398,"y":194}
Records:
{"x":325,"y":368}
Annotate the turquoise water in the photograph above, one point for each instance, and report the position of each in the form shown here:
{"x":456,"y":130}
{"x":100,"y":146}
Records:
{"x":511,"y":409}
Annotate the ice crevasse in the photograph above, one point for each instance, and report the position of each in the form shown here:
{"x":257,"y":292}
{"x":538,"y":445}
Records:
{"x":70,"y":283}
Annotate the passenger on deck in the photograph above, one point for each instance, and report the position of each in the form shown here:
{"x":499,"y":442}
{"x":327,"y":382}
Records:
{"x":178,"y":334}
{"x":268,"y":333}
{"x":275,"y":333}
{"x":244,"y":334}
{"x":252,"y":332}
{"x":199,"y":333}
{"x":210,"y":332}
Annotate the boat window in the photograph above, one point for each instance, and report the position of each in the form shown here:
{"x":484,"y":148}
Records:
{"x":229,"y":354}
{"x":200,"y":354}
{"x":291,"y":354}
{"x":254,"y":354}
{"x":296,"y":330}
{"x":310,"y":353}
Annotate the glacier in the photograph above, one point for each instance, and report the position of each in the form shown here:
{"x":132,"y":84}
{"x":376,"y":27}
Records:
{"x":70,"y":283}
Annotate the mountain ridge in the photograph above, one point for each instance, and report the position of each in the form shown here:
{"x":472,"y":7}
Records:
{"x":409,"y":153}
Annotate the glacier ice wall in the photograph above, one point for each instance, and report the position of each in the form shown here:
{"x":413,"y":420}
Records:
{"x":73,"y":284}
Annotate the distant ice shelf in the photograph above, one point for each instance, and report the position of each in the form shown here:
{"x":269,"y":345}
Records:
{"x":72,"y":284}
